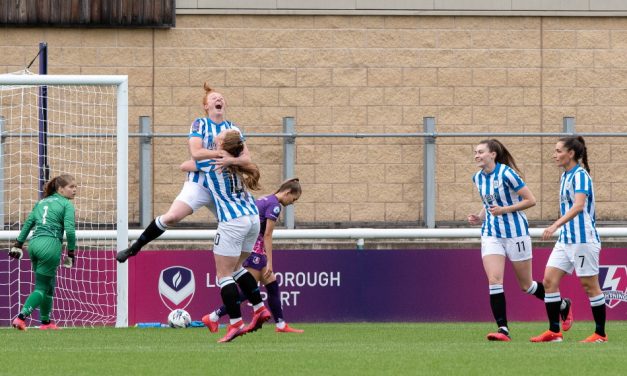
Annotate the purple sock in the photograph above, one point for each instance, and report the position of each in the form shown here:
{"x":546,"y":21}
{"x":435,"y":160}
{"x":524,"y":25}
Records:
{"x":274,"y":301}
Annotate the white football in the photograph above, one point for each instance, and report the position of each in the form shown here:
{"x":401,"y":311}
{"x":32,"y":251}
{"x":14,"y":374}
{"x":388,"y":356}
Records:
{"x":179,"y":318}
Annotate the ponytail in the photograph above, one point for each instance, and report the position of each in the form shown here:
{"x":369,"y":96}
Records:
{"x":53,"y":185}
{"x":503,"y":156}
{"x":578,"y":145}
{"x":208,"y":90}
{"x":291,"y":185}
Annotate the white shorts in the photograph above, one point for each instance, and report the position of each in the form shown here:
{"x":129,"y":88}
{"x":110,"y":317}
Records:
{"x":515,"y":249}
{"x":196,"y":196}
{"x":236,"y":236}
{"x":582,"y":257}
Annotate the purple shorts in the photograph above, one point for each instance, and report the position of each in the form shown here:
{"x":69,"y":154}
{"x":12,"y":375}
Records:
{"x":256,"y":261}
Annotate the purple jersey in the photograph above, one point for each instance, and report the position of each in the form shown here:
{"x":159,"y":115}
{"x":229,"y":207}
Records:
{"x":269,"y":208}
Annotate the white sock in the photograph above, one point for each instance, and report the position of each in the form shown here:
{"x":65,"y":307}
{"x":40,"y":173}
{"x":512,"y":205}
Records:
{"x":233,"y":321}
{"x":257,"y":306}
{"x":532,"y":289}
{"x":280,"y":324}
{"x":214,"y":317}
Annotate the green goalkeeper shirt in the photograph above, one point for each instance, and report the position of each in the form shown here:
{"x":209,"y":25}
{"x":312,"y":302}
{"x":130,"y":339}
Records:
{"x":51,"y":217}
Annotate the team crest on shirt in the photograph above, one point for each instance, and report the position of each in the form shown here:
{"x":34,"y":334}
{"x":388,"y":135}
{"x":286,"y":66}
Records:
{"x":613,"y":281}
{"x":176,"y":287}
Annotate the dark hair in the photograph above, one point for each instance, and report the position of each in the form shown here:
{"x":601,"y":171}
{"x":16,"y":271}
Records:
{"x":57,"y":182}
{"x":234,"y":145}
{"x":291,"y":185}
{"x":503,"y":156}
{"x":578,"y":145}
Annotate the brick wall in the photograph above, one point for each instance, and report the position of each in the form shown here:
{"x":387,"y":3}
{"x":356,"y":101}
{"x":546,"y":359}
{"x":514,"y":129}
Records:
{"x":367,"y":74}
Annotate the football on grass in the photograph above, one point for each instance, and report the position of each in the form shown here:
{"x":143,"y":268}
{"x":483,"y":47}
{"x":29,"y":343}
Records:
{"x":179,"y":318}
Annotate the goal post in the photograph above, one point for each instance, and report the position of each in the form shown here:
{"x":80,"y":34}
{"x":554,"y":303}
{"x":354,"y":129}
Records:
{"x":88,"y":136}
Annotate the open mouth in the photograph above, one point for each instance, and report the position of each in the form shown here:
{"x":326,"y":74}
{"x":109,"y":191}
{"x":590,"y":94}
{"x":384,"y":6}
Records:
{"x":218,"y":106}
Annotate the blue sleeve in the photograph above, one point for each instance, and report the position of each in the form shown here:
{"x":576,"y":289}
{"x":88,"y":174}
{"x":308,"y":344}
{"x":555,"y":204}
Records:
{"x":581,"y":183}
{"x":205,"y":165}
{"x":513,"y":180}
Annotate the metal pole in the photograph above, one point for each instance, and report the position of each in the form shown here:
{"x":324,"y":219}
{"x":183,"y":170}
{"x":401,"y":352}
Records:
{"x":2,"y":121}
{"x":122,"y":202}
{"x":568,"y":124}
{"x":428,"y":169}
{"x":289,"y":160}
{"x":145,"y":172}
{"x":44,"y":169}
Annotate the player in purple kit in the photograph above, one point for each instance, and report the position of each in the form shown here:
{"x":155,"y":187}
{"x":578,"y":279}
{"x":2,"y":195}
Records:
{"x":259,"y":263}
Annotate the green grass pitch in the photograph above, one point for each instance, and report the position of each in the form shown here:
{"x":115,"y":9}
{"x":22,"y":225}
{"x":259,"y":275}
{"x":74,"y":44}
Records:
{"x":324,"y":349}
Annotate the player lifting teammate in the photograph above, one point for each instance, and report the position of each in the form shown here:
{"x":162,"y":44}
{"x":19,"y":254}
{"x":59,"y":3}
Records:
{"x":259,"y":263}
{"x":238,"y":228}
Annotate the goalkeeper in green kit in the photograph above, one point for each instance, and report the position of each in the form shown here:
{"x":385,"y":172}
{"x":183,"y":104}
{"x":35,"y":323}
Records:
{"x":50,"y":217}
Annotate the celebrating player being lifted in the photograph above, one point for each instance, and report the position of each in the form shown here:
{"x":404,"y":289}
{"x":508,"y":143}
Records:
{"x":51,"y":217}
{"x":195,"y":192}
{"x":505,"y":230}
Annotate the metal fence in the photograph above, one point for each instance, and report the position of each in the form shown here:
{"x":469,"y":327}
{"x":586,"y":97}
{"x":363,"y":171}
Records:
{"x":289,"y":136}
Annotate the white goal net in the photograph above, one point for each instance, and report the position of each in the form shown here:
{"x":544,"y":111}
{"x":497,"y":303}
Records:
{"x":69,"y":126}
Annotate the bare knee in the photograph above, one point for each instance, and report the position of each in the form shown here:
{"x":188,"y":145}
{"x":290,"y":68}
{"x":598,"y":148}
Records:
{"x":591,"y":287}
{"x":175,"y":215}
{"x":550,"y":284}
{"x":524,"y":286}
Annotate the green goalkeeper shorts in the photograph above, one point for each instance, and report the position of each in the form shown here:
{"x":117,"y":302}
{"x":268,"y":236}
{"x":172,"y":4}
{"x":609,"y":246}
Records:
{"x":45,"y":255}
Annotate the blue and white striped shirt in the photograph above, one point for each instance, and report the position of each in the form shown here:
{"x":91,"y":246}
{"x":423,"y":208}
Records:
{"x":582,"y":228}
{"x":207,"y":130}
{"x":500,"y":188}
{"x":229,"y":194}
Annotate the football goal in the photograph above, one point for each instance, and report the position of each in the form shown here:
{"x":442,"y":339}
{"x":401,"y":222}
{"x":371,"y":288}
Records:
{"x":77,"y":125}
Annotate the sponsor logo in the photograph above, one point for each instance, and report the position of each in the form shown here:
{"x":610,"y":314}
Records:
{"x":489,"y":199}
{"x":256,"y":259}
{"x":496,"y":183}
{"x":276,"y":210}
{"x":196,"y":126}
{"x":176,"y":287}
{"x":613,"y":281}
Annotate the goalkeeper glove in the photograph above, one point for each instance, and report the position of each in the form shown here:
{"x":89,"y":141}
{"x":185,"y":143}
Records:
{"x":16,"y":250}
{"x":68,"y":261}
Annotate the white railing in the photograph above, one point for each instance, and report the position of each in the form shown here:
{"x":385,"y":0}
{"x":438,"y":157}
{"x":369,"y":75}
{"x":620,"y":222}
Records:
{"x":349,"y":233}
